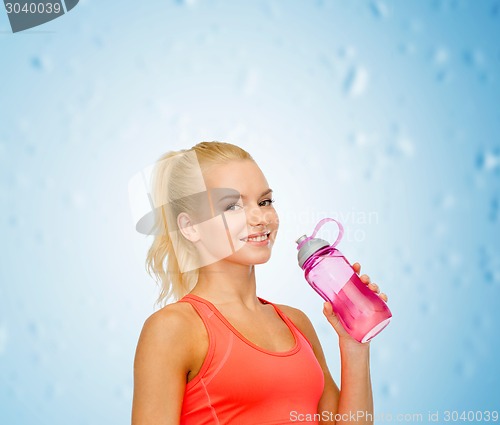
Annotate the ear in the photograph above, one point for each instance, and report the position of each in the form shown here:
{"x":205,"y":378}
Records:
{"x":187,"y":228}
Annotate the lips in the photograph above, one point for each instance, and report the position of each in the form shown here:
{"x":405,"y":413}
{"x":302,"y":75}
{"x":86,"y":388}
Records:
{"x":257,"y":237}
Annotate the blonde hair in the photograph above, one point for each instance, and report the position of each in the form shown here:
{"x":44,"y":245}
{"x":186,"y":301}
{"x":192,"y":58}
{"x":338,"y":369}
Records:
{"x":174,"y":178}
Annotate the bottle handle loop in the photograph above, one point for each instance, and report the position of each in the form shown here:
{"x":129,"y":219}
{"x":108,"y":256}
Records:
{"x":318,"y":226}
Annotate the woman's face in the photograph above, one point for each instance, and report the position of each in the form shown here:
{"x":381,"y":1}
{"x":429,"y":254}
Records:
{"x":244,"y":222}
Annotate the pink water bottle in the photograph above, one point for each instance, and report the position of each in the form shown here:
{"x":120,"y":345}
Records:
{"x":362,"y":313}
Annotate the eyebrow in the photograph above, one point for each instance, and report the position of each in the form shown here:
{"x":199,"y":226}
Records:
{"x":266,"y":192}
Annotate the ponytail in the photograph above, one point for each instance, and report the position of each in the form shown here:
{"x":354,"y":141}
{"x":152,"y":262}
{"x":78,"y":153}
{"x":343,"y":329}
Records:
{"x":171,"y":259}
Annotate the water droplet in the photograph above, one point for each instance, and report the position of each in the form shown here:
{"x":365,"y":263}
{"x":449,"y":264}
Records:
{"x":488,"y":160}
{"x":473,"y":57}
{"x":407,"y":48}
{"x":40,"y":63}
{"x":482,"y":321}
{"x":445,"y":5}
{"x":405,"y":146}
{"x":356,"y":81}
{"x":272,"y":10}
{"x":440,"y":55}
{"x":407,"y":267}
{"x":34,"y":328}
{"x":390,"y":389}
{"x":347,"y":52}
{"x":452,"y":259}
{"x":188,"y":3}
{"x":495,"y":9}
{"x":400,"y":145}
{"x":359,"y":139}
{"x":490,"y":265}
{"x":379,"y":9}
{"x":54,"y":390}
{"x":444,"y":77}
{"x":13,"y":221}
{"x":97,"y":41}
{"x":36,"y":62}
{"x":426,"y":307}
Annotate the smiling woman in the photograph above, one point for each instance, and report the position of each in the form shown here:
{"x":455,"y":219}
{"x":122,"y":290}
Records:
{"x":220,"y":354}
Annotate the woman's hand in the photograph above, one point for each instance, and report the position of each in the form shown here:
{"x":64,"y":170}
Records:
{"x":366,"y":280}
{"x":332,"y":317}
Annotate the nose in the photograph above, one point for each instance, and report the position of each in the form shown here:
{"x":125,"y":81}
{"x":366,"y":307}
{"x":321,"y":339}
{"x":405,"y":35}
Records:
{"x":261,"y":218}
{"x":256,"y":217}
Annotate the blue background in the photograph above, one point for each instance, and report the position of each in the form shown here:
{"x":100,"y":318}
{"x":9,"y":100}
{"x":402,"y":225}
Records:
{"x":384,"y":114}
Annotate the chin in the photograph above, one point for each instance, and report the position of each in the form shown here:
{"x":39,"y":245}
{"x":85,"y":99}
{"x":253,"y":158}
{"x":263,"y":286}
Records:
{"x":249,"y":259}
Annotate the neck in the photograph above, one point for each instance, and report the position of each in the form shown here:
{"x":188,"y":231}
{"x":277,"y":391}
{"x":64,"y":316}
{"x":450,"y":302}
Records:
{"x":227,"y":283}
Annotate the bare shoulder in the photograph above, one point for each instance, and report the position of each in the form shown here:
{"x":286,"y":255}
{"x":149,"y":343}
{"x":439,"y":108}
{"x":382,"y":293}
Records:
{"x":163,"y":359}
{"x":175,"y":314}
{"x":172,"y":323}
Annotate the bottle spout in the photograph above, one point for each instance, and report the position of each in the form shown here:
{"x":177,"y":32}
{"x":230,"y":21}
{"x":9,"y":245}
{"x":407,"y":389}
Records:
{"x":299,"y":240}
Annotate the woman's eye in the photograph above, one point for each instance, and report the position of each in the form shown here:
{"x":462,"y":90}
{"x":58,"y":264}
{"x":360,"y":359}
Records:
{"x":233,"y":207}
{"x":266,"y":202}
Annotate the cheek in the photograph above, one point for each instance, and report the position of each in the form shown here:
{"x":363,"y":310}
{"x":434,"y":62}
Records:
{"x":272,"y":218}
{"x":236,"y":221}
{"x":237,"y":227}
{"x":214,"y":236}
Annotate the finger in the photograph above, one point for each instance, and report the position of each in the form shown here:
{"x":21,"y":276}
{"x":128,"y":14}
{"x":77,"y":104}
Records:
{"x":365,"y":279}
{"x":384,"y":297}
{"x":327,"y":309}
{"x":374,"y":287}
{"x":330,"y":314}
{"x":356,"y":267}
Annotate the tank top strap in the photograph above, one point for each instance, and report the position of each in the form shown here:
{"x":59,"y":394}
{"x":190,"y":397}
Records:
{"x":215,"y":327}
{"x":203,"y":309}
{"x":218,"y":327}
{"x":238,"y":380}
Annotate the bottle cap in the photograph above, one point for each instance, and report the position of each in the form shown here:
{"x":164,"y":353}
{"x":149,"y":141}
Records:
{"x":308,"y":245}
{"x":309,"y":248}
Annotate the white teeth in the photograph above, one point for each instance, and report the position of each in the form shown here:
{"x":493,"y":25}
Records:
{"x":258,"y":238}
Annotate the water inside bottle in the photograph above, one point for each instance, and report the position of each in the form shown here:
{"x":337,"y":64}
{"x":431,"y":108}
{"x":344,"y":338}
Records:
{"x":362,"y":313}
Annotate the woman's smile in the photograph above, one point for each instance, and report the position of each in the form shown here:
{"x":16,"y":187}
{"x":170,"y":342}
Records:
{"x":258,"y":239}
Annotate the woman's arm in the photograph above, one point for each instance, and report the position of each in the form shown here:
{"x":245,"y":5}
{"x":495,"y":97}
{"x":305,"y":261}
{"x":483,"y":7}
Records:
{"x":160,"y":368}
{"x":353,"y":403}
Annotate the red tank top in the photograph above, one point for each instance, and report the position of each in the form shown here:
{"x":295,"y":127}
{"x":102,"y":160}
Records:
{"x":243,"y":384}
